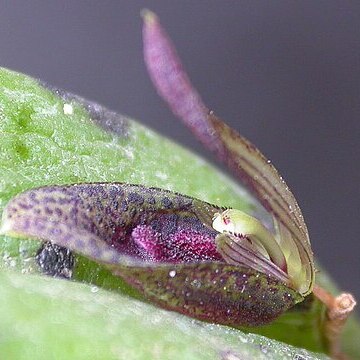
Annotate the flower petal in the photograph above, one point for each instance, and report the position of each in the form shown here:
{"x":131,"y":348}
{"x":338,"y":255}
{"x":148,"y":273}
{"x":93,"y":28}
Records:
{"x":215,"y":292}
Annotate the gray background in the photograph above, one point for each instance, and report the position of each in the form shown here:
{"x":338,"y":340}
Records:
{"x":286,"y":74}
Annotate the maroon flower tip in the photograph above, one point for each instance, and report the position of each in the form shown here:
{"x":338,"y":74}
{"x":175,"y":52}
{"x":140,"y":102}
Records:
{"x":168,"y":75}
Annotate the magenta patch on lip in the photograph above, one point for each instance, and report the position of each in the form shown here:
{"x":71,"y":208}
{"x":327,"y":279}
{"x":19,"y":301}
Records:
{"x":180,"y":246}
{"x":148,"y":242}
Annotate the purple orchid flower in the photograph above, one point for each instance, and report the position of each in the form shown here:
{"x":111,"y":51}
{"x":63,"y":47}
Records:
{"x":211,"y":263}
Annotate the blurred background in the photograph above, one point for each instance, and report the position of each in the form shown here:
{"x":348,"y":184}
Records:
{"x":285,"y":74}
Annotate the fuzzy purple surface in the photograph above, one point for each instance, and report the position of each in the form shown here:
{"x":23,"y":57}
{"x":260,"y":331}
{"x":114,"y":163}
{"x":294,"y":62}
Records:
{"x":142,"y":223}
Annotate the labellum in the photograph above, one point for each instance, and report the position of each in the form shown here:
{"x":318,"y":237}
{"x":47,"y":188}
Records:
{"x":211,"y":263}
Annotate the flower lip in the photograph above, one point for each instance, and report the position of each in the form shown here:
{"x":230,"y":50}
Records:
{"x":140,"y":223}
{"x":245,"y":226}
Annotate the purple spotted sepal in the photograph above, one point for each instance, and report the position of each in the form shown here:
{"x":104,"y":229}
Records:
{"x":159,"y":241}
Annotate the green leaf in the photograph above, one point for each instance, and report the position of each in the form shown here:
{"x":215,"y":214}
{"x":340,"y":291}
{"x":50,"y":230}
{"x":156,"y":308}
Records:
{"x":51,"y":137}
{"x":47,"y":318}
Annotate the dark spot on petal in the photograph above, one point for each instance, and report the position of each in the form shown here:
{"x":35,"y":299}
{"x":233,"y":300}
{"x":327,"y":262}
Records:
{"x":166,"y":202}
{"x":25,"y":225}
{"x":135,"y":198}
{"x":89,"y":208}
{"x":39,"y":224}
{"x":48,"y":211}
{"x":114,"y":205}
{"x":124,"y":206}
{"x":99,"y":205}
{"x":116,"y":191}
{"x":25,"y":206}
{"x":33,"y":198}
{"x":49,"y":190}
{"x":64,"y":201}
{"x":58,"y":212}
{"x":49,"y":200}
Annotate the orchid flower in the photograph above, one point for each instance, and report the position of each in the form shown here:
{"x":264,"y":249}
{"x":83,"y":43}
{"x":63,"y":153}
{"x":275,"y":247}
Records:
{"x":209,"y":262}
